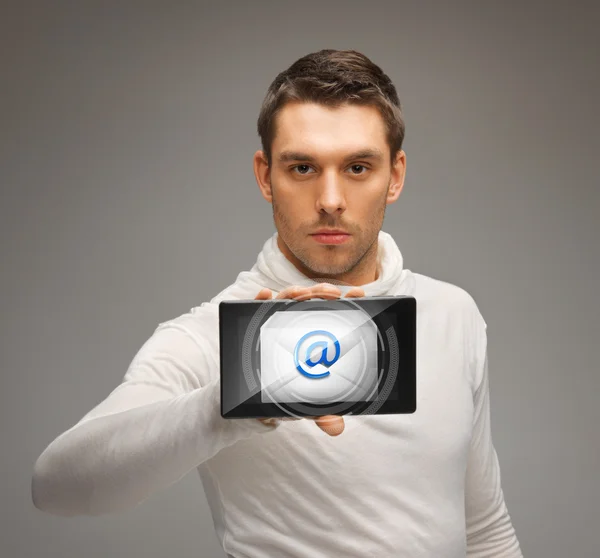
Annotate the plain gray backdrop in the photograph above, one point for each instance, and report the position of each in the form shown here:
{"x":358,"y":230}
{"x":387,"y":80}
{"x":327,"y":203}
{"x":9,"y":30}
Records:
{"x":128,"y":197}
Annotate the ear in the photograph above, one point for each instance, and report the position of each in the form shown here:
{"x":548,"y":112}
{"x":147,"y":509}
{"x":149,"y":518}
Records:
{"x":262,"y":173}
{"x":397,"y":177}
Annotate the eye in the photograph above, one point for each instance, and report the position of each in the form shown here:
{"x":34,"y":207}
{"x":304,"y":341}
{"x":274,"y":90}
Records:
{"x":298,"y":166}
{"x":359,"y":166}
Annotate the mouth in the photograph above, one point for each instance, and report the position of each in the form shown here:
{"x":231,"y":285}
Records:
{"x":331,"y":236}
{"x":330,"y":231}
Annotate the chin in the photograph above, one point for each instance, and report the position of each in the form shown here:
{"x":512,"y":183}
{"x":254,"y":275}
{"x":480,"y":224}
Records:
{"x":327,"y":269}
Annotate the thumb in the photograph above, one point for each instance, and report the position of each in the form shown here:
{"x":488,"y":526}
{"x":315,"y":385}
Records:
{"x":330,"y":424}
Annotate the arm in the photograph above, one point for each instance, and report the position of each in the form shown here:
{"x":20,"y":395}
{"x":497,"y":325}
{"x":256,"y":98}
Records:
{"x":490,"y":533}
{"x":162,"y":421}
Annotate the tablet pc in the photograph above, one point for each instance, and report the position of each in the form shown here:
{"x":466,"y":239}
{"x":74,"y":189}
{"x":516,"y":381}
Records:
{"x":288,"y":358}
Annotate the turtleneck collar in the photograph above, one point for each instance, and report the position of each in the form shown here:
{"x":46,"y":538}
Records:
{"x":274,"y":270}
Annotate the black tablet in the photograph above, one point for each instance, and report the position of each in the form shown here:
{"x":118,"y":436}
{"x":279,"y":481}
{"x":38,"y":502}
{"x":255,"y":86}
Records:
{"x":288,"y":358}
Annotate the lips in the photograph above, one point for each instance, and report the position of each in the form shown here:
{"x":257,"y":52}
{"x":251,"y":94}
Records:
{"x":331,"y":236}
{"x":330,"y":231}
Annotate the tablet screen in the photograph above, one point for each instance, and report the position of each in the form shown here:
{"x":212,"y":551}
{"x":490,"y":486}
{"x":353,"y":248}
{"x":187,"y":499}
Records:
{"x":318,"y":357}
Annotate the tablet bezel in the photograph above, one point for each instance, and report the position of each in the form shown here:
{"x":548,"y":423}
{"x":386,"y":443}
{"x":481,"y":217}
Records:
{"x":400,"y":310}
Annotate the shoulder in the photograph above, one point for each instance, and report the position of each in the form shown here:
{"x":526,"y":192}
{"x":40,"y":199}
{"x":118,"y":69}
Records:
{"x":454,"y":309}
{"x":445,"y":295}
{"x":200,"y":325}
{"x":189,"y":341}
{"x":180,"y":351}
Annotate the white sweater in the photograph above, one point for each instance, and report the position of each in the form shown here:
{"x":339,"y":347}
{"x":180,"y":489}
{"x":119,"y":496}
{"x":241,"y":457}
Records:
{"x":425,"y":485}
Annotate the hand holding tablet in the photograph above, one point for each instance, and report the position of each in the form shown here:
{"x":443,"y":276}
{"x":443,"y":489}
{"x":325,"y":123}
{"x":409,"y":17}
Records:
{"x":313,"y":353}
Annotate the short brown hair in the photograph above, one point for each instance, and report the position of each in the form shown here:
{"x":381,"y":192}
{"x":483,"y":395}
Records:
{"x":332,"y":78}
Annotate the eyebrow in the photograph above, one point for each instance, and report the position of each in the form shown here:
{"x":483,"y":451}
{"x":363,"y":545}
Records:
{"x":286,"y":156}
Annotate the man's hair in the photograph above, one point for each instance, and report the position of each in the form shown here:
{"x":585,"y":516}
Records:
{"x":333,"y":78}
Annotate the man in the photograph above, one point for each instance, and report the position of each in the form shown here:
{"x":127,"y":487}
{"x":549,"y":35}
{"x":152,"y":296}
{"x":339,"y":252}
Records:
{"x":419,"y":485}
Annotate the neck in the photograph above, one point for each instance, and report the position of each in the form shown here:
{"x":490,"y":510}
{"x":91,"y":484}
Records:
{"x":365,"y":271}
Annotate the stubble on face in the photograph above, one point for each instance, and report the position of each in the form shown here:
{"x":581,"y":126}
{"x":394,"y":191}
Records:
{"x":330,"y":261}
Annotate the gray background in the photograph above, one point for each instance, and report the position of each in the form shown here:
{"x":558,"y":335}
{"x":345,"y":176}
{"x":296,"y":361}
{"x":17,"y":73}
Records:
{"x":127,"y":136}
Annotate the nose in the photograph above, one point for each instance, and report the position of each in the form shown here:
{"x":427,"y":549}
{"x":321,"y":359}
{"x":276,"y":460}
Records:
{"x":330,"y":196}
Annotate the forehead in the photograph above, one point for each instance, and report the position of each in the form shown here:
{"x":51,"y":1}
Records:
{"x":314,"y":127}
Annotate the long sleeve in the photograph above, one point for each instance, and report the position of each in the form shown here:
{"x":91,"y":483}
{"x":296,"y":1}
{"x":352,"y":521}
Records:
{"x":490,"y":533}
{"x":162,"y":421}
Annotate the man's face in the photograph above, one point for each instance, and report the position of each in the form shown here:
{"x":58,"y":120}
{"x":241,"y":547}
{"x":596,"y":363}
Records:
{"x":320,"y":180}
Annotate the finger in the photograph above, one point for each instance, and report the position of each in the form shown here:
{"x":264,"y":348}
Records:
{"x":271,"y":421}
{"x":330,"y":424}
{"x":355,"y":292}
{"x":321,"y":290}
{"x":294,"y":292}
{"x":264,"y":294}
{"x":325,"y":290}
